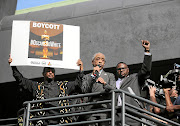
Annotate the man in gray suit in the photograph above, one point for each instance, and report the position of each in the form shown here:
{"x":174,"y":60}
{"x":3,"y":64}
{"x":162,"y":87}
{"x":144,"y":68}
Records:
{"x":134,"y":81}
{"x":98,"y":81}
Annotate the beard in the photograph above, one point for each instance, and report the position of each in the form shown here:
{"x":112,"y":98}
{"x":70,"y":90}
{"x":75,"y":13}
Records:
{"x":120,"y":75}
{"x":49,"y":79}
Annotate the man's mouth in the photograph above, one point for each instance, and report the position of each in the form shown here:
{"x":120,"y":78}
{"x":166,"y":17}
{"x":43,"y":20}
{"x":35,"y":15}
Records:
{"x":99,"y":65}
{"x":50,"y":76}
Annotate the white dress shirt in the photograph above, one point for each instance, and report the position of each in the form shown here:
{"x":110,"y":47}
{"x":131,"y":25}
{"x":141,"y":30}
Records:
{"x":118,"y":85}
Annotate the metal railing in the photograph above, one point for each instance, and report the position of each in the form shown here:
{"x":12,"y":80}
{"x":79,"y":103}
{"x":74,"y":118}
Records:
{"x":125,"y":109}
{"x":145,"y":113}
{"x":8,"y":122}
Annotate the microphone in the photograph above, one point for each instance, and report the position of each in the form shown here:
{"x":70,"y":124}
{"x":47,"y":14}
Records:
{"x":132,"y":92}
{"x":96,"y":73}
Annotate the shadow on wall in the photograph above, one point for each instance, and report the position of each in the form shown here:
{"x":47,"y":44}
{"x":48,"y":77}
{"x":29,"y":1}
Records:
{"x":7,"y":8}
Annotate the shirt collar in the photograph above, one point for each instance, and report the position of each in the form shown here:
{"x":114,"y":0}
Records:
{"x":100,"y":72}
{"x":119,"y":79}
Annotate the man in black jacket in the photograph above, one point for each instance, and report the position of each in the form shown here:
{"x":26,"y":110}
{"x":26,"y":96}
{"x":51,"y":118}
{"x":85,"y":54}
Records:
{"x":48,"y":89}
{"x":134,"y":81}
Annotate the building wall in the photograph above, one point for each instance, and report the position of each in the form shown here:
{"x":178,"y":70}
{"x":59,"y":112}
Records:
{"x":7,"y":8}
{"x":113,"y":27}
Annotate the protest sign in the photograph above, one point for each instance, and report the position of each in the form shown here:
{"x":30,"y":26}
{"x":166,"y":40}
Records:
{"x":45,"y":44}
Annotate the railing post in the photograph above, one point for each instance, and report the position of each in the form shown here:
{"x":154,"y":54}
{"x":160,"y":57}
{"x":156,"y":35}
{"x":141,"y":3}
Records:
{"x":123,"y":110}
{"x":113,"y":109}
{"x":24,"y":116}
{"x":28,"y":114}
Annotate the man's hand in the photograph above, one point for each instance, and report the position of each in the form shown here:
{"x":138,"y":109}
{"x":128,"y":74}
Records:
{"x":97,"y":68}
{"x":173,"y":93}
{"x":80,"y":63}
{"x":101,"y":80}
{"x":10,"y":59}
{"x":170,"y":108}
{"x":166,"y":90}
{"x":146,"y":45}
{"x":152,"y":90}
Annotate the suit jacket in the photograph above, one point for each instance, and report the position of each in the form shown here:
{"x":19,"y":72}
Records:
{"x":89,"y":85}
{"x":135,"y":81}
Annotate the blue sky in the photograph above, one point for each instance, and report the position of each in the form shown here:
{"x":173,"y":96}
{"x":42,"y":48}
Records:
{"x":23,"y":4}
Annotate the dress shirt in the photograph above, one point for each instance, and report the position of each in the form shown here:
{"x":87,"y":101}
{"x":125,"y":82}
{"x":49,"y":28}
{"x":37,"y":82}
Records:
{"x":145,"y":53}
{"x":118,"y":85}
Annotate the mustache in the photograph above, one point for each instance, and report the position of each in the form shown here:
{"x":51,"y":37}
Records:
{"x":119,"y":74}
{"x":99,"y":65}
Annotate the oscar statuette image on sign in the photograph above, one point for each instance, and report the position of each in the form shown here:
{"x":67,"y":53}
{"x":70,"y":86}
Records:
{"x":45,"y":40}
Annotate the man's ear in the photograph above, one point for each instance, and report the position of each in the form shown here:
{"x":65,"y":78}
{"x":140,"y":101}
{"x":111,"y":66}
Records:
{"x":128,"y":70}
{"x":93,"y":63}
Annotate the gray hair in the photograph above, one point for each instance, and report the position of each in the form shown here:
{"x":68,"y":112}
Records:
{"x":96,"y":54}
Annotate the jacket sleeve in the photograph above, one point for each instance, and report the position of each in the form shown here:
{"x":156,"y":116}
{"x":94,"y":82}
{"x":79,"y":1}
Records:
{"x":111,"y":85}
{"x":24,"y":82}
{"x":145,"y":70}
{"x":87,"y":82}
{"x":75,"y":86}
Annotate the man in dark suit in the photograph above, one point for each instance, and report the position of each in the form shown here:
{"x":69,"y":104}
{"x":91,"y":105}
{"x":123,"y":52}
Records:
{"x":98,"y":81}
{"x":134,"y":81}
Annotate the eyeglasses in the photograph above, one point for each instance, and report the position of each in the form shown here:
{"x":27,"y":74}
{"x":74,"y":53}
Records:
{"x":50,"y":71}
{"x":123,"y":68}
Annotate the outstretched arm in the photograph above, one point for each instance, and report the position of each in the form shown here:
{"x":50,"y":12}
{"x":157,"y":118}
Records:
{"x":26,"y":83}
{"x":75,"y":86}
{"x":169,"y":104}
{"x":145,"y":70}
{"x":82,"y":80}
{"x":175,"y":106}
{"x":152,"y":91}
{"x":172,"y":108}
{"x":80,"y":75}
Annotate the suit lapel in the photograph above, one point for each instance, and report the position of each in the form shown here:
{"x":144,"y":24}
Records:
{"x":125,"y":81}
{"x":96,"y":86}
{"x":104,"y":75}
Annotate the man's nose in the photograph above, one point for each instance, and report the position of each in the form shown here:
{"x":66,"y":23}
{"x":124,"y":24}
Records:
{"x":100,"y":61}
